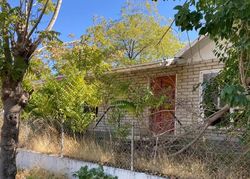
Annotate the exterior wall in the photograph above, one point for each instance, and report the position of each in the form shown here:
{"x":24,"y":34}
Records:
{"x":188,"y":94}
{"x":201,"y":51}
{"x":192,"y":62}
{"x":187,"y":97}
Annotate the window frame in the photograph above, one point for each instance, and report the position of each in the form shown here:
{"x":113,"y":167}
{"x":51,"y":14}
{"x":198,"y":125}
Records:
{"x":201,"y":80}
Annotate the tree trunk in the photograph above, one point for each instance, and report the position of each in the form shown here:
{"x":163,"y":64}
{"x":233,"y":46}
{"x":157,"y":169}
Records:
{"x":13,"y":100}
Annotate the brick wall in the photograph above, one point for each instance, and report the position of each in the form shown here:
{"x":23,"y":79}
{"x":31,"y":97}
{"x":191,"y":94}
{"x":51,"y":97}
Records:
{"x":187,"y":98}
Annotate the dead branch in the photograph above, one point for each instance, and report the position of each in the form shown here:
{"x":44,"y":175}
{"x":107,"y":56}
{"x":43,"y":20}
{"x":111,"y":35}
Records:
{"x":214,"y":117}
{"x":242,"y":69}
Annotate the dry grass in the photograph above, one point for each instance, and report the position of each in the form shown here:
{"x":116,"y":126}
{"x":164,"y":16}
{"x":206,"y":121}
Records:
{"x":185,"y":169}
{"x":45,"y":142}
{"x":189,"y":168}
{"x":38,"y":174}
{"x":103,"y":153}
{"x":87,"y":150}
{"x":49,"y":143}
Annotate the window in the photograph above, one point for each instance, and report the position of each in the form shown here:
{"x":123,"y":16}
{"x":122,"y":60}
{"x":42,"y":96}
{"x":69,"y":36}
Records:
{"x":209,"y":93}
{"x":207,"y":77}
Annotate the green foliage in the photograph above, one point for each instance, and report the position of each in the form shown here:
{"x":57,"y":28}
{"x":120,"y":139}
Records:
{"x":20,"y":36}
{"x":133,"y":38}
{"x":50,"y":6}
{"x":132,"y":99}
{"x":227,"y":23}
{"x":235,"y":96}
{"x":137,"y":98}
{"x":16,"y":44}
{"x":211,"y":94}
{"x":94,"y":173}
{"x":116,"y":117}
{"x":49,"y":36}
{"x":67,"y":94}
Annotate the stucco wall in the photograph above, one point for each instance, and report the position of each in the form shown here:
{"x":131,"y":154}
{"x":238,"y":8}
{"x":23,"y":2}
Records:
{"x":63,"y":165}
{"x":200,"y":51}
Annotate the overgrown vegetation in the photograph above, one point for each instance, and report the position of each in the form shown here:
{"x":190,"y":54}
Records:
{"x":206,"y":159}
{"x":227,"y":23}
{"x":85,"y":173}
{"x":38,"y":174}
{"x":70,"y":83}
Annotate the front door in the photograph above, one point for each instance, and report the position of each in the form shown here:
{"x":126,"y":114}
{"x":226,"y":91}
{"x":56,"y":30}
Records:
{"x":162,"y":119}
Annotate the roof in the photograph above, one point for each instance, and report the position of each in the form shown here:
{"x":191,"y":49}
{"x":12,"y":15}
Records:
{"x":145,"y":66}
{"x":161,"y":63}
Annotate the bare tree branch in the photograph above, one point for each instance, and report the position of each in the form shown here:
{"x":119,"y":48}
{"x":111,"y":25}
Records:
{"x":168,"y":29}
{"x":21,"y":4}
{"x":132,"y":48}
{"x":55,"y":15}
{"x":214,"y":117}
{"x":129,"y":49}
{"x":140,"y":51}
{"x":50,"y":26}
{"x":125,"y":46}
{"x":27,"y":18}
{"x":65,"y":43}
{"x":242,"y":57}
{"x":38,"y":20}
{"x":26,"y":7}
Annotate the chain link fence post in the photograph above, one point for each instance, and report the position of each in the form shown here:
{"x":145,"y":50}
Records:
{"x":62,"y":138}
{"x":132,"y":147}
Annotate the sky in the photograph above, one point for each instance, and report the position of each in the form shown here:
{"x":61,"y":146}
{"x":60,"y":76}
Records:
{"x":77,"y":15}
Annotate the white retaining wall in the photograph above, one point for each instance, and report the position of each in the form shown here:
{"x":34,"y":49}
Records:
{"x":29,"y":159}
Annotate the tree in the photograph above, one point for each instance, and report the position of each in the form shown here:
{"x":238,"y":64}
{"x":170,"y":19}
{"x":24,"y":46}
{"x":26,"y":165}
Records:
{"x":227,"y":23}
{"x":19,"y":39}
{"x":70,"y":92}
{"x":133,"y":38}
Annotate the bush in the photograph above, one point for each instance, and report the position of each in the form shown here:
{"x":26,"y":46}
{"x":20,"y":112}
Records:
{"x":94,"y":173}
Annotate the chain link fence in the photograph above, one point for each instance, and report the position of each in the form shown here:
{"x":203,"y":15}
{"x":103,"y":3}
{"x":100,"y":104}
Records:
{"x":209,"y":157}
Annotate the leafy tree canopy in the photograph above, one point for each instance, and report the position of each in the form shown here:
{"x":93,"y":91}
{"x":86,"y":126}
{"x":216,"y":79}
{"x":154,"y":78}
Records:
{"x":133,"y":38}
{"x":69,"y":90}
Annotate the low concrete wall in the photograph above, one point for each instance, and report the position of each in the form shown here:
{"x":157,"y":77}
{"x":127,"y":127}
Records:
{"x":29,"y":159}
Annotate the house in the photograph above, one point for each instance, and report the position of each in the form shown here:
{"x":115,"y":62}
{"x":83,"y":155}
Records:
{"x":191,"y":66}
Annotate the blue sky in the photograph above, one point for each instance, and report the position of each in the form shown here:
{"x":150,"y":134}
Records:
{"x":77,"y":15}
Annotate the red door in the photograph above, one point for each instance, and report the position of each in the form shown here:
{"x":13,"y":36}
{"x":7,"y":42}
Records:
{"x":162,"y":118}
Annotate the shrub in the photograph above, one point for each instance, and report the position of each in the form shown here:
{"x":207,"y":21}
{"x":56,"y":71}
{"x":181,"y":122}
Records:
{"x":94,"y":173}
